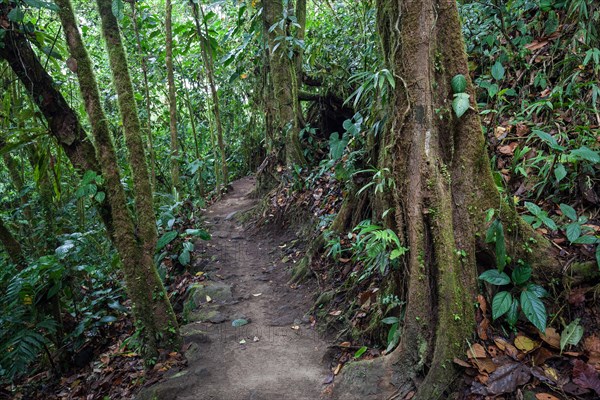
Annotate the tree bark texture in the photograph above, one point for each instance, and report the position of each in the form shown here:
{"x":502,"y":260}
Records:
{"x":151,"y":305}
{"x":443,"y":186}
{"x":172,"y":98}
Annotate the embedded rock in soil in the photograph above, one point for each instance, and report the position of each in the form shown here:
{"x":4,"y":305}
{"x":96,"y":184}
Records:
{"x":216,"y":291}
{"x":194,"y":333}
{"x":211,"y":314}
{"x":173,"y":387}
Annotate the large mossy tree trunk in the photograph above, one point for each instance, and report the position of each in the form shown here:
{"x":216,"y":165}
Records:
{"x":444,"y":186}
{"x":135,"y":243}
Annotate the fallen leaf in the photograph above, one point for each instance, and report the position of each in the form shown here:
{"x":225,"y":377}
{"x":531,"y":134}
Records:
{"x":295,"y":327}
{"x":462,"y":363}
{"x":243,"y":341}
{"x":551,"y":337}
{"x":208,"y":299}
{"x":482,"y":328}
{"x":476,"y":351}
{"x":525,"y":344}
{"x":586,"y":376}
{"x":335,"y":313}
{"x":345,"y":344}
{"x":545,"y":396}
{"x":482,"y":303}
{"x":329,"y":379}
{"x":541,"y":355}
{"x":535,"y":45}
{"x":199,"y":273}
{"x":509,"y":149}
{"x":337,"y":369}
{"x":500,"y":132}
{"x":484,"y":365}
{"x":256,"y":294}
{"x":508,"y":348}
{"x":507,"y":378}
{"x":256,"y":339}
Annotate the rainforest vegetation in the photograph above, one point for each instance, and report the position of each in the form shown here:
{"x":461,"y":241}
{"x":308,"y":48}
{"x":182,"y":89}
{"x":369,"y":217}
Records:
{"x":436,"y":163}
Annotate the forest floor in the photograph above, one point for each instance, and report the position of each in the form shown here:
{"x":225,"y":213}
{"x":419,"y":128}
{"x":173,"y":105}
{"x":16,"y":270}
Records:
{"x":276,"y":351}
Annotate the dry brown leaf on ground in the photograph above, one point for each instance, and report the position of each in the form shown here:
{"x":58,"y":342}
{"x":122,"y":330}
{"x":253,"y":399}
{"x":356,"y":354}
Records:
{"x":545,"y":396}
{"x":551,"y":337}
{"x":476,"y":351}
{"x":509,"y":149}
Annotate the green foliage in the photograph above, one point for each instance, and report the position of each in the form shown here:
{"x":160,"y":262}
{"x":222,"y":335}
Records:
{"x":538,"y":217}
{"x":506,"y":302}
{"x":571,"y":335}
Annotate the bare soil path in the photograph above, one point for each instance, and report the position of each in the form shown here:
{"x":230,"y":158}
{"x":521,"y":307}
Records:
{"x":277,"y":354}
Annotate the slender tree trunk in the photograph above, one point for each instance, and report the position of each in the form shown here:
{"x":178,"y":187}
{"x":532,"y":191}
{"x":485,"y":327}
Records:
{"x":144,"y":62}
{"x":285,"y":84}
{"x":12,"y":246}
{"x":207,"y":57}
{"x":151,"y":305}
{"x":444,"y":186}
{"x":172,"y":98}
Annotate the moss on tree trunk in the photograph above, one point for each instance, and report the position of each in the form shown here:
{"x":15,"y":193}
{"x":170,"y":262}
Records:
{"x":144,"y":287}
{"x":443,"y":188}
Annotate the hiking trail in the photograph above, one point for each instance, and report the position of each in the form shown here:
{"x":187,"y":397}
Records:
{"x":277,"y":354}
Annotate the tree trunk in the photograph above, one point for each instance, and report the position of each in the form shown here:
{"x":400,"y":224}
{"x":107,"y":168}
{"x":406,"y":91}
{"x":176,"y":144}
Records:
{"x":144,"y":62}
{"x":207,"y":57}
{"x":285,"y":84}
{"x":172,"y":98}
{"x":151,"y":305}
{"x":444,"y":186}
{"x":12,"y":246}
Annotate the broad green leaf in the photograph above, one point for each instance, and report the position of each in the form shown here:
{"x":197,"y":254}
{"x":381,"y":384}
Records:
{"x":573,"y":231}
{"x":390,"y":320}
{"x":537,"y":290}
{"x":521,"y":274}
{"x":495,"y":277}
{"x":548,"y":221}
{"x":360,"y":352}
{"x":498,"y":71}
{"x":42,"y":4}
{"x":568,"y":211}
{"x":184,"y":257}
{"x":202,"y":234}
{"x":586,"y":240}
{"x":392,"y":338}
{"x":585,"y":153}
{"x":513,"y":313}
{"x":533,"y":208}
{"x":501,"y":303}
{"x":337,"y":145}
{"x":534,"y":309}
{"x":100,"y":196}
{"x":459,"y":83}
{"x":571,"y":335}
{"x":560,"y":172}
{"x":460,"y":104}
{"x":117,"y":9}
{"x":16,"y":15}
{"x":166,"y":239}
{"x":549,"y":139}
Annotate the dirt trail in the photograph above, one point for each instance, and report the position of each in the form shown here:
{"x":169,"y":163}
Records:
{"x":276,"y":355}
